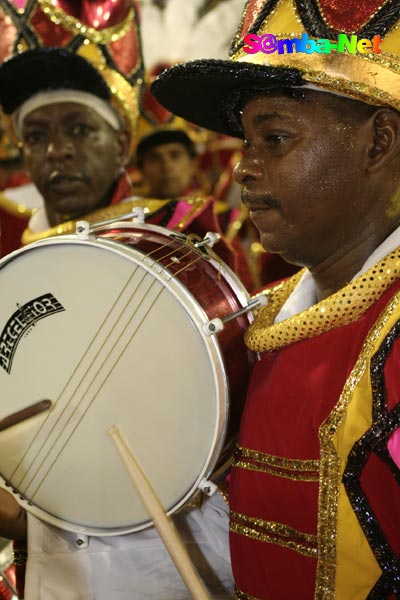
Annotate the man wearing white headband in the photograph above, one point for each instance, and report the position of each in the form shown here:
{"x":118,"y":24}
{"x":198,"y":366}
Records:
{"x":75,"y":145}
{"x":74,"y":142}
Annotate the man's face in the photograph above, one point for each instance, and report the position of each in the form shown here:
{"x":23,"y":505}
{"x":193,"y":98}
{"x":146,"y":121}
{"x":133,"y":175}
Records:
{"x":168,"y":170}
{"x":73,"y":157}
{"x":302,"y":176}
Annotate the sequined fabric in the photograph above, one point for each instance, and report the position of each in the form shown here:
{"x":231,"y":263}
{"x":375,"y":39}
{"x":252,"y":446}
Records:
{"x":339,"y":309}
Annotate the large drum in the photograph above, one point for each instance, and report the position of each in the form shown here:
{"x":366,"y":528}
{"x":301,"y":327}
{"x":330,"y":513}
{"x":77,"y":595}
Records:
{"x":109,"y":329}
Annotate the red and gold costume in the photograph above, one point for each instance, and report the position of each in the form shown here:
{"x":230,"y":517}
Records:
{"x":314,"y":492}
{"x":315,"y":485}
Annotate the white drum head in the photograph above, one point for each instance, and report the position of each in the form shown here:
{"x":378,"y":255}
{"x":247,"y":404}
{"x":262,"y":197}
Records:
{"x":109,"y":340}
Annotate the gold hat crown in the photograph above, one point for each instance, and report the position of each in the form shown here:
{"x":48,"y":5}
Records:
{"x":354,"y":67}
{"x":105,"y":33}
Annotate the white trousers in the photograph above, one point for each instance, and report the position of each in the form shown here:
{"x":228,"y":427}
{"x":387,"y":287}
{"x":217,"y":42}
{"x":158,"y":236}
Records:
{"x":135,"y":566}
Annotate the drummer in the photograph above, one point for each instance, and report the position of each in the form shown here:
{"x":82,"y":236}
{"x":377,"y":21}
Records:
{"x":76,"y":145}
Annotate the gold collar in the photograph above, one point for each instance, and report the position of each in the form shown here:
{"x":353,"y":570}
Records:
{"x":341,"y":308}
{"x":114,"y":211}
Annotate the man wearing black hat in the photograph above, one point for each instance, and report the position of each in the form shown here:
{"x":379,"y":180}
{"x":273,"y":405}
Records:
{"x":315,"y":484}
{"x":75,"y":143}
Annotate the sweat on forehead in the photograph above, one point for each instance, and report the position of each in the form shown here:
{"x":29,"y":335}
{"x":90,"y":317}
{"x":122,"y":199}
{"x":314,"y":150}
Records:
{"x":347,"y":109}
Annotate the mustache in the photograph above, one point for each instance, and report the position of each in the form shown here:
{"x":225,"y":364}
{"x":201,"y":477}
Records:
{"x":259,"y":201}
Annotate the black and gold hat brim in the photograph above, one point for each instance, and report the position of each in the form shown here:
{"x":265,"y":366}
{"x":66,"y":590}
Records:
{"x":206,"y":92}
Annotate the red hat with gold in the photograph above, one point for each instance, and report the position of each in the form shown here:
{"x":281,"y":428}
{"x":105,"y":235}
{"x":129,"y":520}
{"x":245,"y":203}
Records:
{"x":91,"y":46}
{"x":345,"y":47}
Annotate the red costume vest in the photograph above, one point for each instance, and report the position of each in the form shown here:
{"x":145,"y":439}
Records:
{"x":314,"y":492}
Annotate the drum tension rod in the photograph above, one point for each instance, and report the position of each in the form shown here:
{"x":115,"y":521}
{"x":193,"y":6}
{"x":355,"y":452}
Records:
{"x":84,"y":228}
{"x":209,"y":240}
{"x":216,"y":325}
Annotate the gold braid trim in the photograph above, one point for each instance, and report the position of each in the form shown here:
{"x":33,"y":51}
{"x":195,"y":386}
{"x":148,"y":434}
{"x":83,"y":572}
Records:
{"x":288,"y":468}
{"x":102,"y":214}
{"x":242,"y":596}
{"x":331,"y":467}
{"x":341,"y":308}
{"x":274,"y":533}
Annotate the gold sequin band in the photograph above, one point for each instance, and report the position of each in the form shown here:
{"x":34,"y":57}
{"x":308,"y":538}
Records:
{"x":341,"y":308}
{"x":242,"y":596}
{"x":274,"y":533}
{"x":374,"y":81}
{"x":124,"y":97}
{"x":289,"y":468}
{"x":109,"y":34}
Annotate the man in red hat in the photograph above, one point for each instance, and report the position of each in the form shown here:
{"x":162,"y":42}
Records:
{"x":315,"y":485}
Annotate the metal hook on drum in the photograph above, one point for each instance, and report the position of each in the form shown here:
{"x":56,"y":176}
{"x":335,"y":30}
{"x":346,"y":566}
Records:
{"x":216,"y":325}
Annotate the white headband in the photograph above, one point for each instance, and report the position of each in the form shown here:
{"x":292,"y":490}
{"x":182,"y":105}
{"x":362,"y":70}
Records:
{"x":103,"y":108}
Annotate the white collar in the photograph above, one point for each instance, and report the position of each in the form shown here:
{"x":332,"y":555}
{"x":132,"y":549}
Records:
{"x":305,"y":294}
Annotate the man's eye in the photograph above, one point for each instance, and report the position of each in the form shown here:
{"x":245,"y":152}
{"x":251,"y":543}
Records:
{"x":32,"y":138}
{"x":275,"y":140}
{"x":80,"y":130}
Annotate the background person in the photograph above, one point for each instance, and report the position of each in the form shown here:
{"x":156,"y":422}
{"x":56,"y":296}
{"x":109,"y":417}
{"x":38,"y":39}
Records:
{"x":314,"y":490}
{"x":167,"y":161}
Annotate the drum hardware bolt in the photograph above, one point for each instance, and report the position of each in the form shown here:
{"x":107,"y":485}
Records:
{"x":136,"y":215}
{"x":82,"y":230}
{"x":208,"y":487}
{"x":216,"y":325}
{"x":209,"y":240}
{"x":82,"y":541}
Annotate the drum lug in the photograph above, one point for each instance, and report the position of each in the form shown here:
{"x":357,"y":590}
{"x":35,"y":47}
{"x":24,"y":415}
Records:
{"x":82,"y":540}
{"x":82,"y":230}
{"x":208,"y":487}
{"x":216,"y":325}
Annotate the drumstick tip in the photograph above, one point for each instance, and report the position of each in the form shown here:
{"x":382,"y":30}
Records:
{"x":113,"y":430}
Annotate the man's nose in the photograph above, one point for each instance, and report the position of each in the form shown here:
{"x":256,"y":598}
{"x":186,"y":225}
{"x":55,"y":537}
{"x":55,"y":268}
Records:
{"x":247,"y":169}
{"x":59,"y":146}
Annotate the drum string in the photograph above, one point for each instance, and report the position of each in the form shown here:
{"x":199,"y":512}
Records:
{"x":129,"y":301}
{"x":108,"y":315}
{"x":83,"y":356}
{"x":116,"y":361}
{"x":90,"y":403}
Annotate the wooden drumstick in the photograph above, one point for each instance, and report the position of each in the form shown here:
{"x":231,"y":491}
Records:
{"x":162,"y":522}
{"x":24,"y":414}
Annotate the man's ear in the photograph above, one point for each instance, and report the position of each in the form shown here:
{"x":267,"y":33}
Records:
{"x":124,"y":142}
{"x":384,"y":139}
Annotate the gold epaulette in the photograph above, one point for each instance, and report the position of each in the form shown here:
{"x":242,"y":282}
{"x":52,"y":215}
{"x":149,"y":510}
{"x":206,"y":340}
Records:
{"x":17,"y":210}
{"x":102,"y":214}
{"x":151,"y":205}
